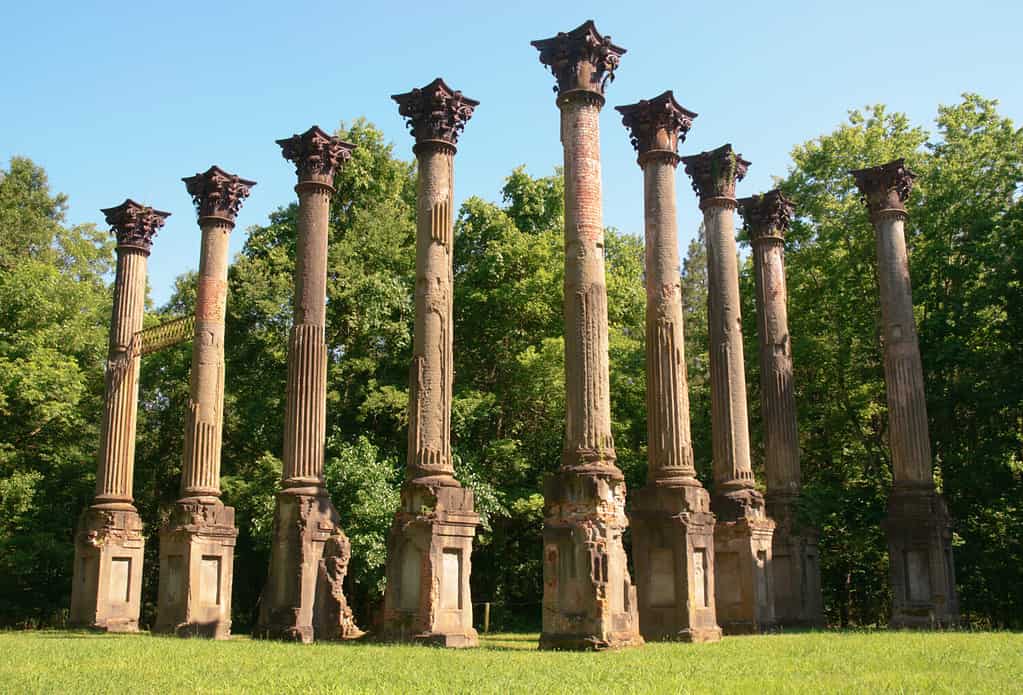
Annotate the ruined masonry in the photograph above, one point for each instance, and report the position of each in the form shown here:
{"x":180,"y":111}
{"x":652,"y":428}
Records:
{"x":795,"y":560}
{"x":429,"y":546}
{"x":672,"y":525}
{"x":197,"y":544}
{"x":589,"y":601}
{"x":107,"y":584}
{"x":743,"y":534}
{"x":918,"y":525}
{"x":304,"y":596}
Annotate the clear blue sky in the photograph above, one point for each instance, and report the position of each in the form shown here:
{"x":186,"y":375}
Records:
{"x":121,"y":100}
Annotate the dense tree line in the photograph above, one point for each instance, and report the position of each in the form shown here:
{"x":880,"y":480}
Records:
{"x":966,"y":249}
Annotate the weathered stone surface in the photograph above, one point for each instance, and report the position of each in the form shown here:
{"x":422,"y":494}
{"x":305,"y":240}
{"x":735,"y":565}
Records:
{"x":796,"y":569}
{"x":197,"y":545}
{"x":918,"y":524}
{"x":304,"y":598}
{"x":742,"y":545}
{"x":589,"y":600}
{"x":109,"y":543}
{"x":429,"y":547}
{"x":672,"y":526}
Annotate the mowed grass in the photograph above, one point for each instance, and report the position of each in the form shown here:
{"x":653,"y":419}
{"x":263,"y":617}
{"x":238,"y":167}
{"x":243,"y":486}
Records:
{"x":860,"y":662}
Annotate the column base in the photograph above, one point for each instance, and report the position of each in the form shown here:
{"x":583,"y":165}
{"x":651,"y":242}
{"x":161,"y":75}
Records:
{"x":429,"y":551}
{"x":589,"y":601}
{"x":107,"y":584}
{"x":304,"y":596}
{"x":673,"y":551}
{"x":795,"y":564}
{"x":743,"y":586}
{"x":196,"y":570}
{"x":919,"y":531}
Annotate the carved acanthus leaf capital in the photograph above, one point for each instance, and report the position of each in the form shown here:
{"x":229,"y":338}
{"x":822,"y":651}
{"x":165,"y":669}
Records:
{"x":660,"y":123}
{"x":317,"y":155}
{"x":766,"y":215}
{"x":581,"y":59}
{"x":715,"y":173}
{"x":217,"y":193}
{"x":134,"y":224}
{"x":435,"y":112}
{"x":885,"y":187}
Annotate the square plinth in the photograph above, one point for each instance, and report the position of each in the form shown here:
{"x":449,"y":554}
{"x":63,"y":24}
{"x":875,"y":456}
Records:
{"x":743,"y":578}
{"x":429,"y":563}
{"x":589,"y":601}
{"x":673,"y":551}
{"x":107,"y":585}
{"x":196,"y":572}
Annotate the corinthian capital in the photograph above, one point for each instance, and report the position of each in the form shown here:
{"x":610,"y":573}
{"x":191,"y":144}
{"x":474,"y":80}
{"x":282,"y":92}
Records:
{"x":885,"y":187}
{"x":715,"y":173}
{"x":766,"y":216}
{"x":581,"y":59}
{"x":658,"y":124}
{"x":316,"y":154}
{"x":134,"y":225}
{"x":217,"y":193}
{"x":435,"y":113}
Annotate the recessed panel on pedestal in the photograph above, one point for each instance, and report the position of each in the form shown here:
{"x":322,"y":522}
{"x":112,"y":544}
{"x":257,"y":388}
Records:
{"x":120,"y":579}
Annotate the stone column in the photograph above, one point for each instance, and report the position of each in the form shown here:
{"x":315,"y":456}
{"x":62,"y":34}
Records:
{"x":918,"y":526}
{"x":589,"y":601}
{"x":304,"y":595}
{"x":742,"y":537}
{"x":672,"y":525}
{"x":795,"y":560}
{"x":109,"y":543}
{"x":197,"y":545}
{"x":430,"y":543}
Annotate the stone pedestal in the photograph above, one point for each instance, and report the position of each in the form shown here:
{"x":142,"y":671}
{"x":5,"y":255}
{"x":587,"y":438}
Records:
{"x":919,"y":531}
{"x":429,"y":551}
{"x":107,"y":583}
{"x":796,"y":570}
{"x":307,"y":601}
{"x":196,"y":571}
{"x":589,"y":600}
{"x":673,"y":551}
{"x":429,"y":547}
{"x":107,"y":580}
{"x":742,"y":537}
{"x":918,"y":523}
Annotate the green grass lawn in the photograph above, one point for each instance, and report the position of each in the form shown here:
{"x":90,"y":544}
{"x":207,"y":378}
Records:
{"x":861,"y":662}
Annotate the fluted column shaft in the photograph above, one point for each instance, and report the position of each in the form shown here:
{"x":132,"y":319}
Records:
{"x":670,"y":451}
{"x":429,"y":443}
{"x":200,"y":471}
{"x":588,"y":439}
{"x":907,"y":406}
{"x":729,"y":424}
{"x":305,"y":426}
{"x":117,"y":433}
{"x":778,"y":400}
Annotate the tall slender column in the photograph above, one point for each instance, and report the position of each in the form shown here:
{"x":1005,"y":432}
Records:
{"x":430,"y":543}
{"x":672,"y":525}
{"x":109,"y":544}
{"x":918,"y":526}
{"x":197,"y":545}
{"x":589,"y":601}
{"x":742,"y":537}
{"x":795,"y":560}
{"x":304,"y":595}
